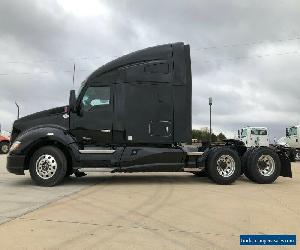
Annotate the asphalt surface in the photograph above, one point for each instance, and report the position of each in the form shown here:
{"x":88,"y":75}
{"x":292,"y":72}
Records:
{"x":144,"y":211}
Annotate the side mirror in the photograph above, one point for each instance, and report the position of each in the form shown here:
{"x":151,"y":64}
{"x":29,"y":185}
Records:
{"x":239,"y":134}
{"x":72,"y":101}
{"x":286,"y":132}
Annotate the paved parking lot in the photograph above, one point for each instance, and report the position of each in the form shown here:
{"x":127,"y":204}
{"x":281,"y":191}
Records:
{"x":143,"y":211}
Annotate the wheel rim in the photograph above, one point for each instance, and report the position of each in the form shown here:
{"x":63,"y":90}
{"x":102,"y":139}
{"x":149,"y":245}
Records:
{"x":266,"y":165}
{"x":46,"y":166}
{"x":226,"y":165}
{"x":297,"y":156}
{"x":4,"y":149}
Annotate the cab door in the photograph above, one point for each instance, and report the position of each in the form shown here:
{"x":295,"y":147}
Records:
{"x":292,"y":139}
{"x":92,"y":123}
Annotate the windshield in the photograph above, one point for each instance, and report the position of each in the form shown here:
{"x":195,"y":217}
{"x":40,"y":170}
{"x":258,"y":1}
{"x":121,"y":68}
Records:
{"x":292,"y":131}
{"x":256,"y":131}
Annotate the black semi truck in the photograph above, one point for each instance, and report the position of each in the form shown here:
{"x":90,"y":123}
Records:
{"x":133,"y":115}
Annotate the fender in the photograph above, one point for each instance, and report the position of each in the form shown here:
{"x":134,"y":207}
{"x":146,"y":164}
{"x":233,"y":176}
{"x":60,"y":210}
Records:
{"x":39,"y":136}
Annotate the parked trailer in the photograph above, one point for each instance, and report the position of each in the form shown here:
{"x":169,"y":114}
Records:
{"x":133,"y":115}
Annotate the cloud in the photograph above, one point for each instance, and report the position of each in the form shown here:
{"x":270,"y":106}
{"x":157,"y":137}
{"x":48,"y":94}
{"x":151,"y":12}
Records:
{"x":245,"y":54}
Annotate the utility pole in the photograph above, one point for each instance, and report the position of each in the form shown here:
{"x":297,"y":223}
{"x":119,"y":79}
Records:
{"x":210,"y":103}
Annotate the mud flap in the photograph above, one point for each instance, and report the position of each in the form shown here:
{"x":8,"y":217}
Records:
{"x":286,"y":169}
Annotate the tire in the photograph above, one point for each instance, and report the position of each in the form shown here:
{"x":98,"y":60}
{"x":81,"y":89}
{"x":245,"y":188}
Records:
{"x":297,"y":155}
{"x":4,"y":147}
{"x":263,"y":165}
{"x":48,"y":166}
{"x":245,"y":160}
{"x":293,"y":156}
{"x":223,"y":165}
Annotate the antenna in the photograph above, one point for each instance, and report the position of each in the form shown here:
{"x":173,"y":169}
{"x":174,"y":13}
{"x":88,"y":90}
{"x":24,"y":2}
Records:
{"x":74,"y":74}
{"x":18,"y":109}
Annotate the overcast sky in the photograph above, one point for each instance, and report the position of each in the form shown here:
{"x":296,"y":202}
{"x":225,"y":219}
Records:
{"x":245,"y":54}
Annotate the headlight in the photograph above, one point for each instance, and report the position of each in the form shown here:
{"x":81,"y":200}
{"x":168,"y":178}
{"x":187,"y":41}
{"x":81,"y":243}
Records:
{"x":15,"y":146}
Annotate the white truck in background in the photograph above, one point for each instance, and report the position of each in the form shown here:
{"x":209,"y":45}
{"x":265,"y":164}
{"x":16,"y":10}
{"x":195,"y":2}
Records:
{"x":259,"y":137}
{"x":292,"y":139}
{"x":254,"y":136}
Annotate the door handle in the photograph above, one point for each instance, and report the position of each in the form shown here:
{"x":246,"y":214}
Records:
{"x":86,"y":138}
{"x":105,"y":130}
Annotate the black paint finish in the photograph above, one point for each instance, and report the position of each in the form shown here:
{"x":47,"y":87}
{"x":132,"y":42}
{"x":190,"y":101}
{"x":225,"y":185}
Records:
{"x":152,"y":159}
{"x":146,"y":114}
{"x":150,"y":98}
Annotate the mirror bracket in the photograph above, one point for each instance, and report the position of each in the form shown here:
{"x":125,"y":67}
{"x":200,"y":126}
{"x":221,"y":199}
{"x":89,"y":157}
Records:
{"x":72,"y":101}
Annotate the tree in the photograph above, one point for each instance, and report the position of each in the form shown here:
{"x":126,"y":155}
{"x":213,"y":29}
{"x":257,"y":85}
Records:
{"x":203,"y":136}
{"x":221,"y":137}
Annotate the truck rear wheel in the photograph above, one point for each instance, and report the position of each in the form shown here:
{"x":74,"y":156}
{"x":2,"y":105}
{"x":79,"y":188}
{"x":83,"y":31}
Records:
{"x":223,"y":165}
{"x":48,"y":166}
{"x":245,"y":159}
{"x":4,"y":147}
{"x":263,"y":165}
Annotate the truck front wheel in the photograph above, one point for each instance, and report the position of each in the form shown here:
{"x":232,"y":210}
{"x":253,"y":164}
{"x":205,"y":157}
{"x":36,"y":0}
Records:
{"x":48,"y":166}
{"x":263,"y":165}
{"x":223,"y":165}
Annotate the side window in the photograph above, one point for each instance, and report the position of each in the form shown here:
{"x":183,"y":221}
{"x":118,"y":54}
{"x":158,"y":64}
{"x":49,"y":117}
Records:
{"x":293,"y":131}
{"x":95,"y":96}
{"x":244,"y":133}
{"x":263,"y":132}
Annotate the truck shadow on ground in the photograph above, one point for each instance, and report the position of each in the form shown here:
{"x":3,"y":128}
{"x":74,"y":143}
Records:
{"x":132,"y":179}
{"x":127,"y":179}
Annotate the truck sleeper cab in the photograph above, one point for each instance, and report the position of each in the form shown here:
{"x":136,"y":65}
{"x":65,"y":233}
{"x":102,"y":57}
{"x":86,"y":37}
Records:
{"x":133,"y":115}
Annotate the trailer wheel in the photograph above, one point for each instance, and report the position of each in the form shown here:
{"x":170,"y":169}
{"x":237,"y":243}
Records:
{"x":223,"y":165}
{"x":263,"y":166}
{"x":4,"y":147}
{"x":48,"y":166}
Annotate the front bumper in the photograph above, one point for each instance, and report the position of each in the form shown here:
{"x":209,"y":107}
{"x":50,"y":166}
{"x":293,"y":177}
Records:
{"x":15,"y":164}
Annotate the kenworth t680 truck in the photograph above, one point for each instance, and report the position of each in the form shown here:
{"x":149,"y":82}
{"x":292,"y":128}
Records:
{"x":133,"y":115}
